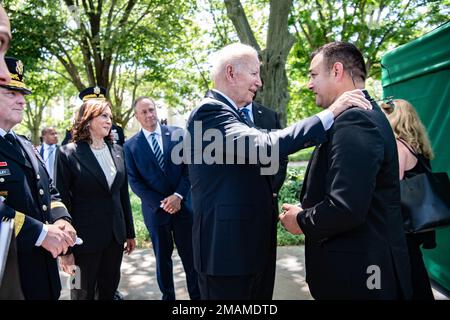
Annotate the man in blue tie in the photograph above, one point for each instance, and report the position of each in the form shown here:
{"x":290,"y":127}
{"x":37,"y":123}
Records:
{"x":163,"y":187}
{"x":48,"y":148}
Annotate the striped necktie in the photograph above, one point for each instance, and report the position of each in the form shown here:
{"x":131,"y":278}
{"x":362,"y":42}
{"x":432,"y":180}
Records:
{"x":245,"y":114}
{"x":157,"y":151}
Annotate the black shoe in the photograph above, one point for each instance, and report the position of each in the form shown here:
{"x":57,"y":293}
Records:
{"x":118,"y":295}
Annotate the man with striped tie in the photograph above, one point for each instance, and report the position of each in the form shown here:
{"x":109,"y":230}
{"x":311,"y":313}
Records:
{"x":163,"y":187}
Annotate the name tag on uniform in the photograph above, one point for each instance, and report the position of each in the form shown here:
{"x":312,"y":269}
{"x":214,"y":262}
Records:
{"x":4,"y":172}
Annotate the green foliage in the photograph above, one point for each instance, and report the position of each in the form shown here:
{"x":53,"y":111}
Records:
{"x":290,"y":193}
{"x":301,"y":155}
{"x":142,"y":236}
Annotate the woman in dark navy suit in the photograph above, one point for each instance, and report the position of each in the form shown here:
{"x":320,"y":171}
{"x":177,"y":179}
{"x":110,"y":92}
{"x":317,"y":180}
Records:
{"x":93,"y":183}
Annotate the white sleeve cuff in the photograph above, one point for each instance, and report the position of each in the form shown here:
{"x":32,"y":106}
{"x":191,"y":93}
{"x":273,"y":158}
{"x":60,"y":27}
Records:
{"x":178,"y":195}
{"x":327,"y":118}
{"x":42,"y":236}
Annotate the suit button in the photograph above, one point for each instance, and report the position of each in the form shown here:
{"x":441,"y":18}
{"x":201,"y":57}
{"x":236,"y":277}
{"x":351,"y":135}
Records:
{"x":44,"y":207}
{"x":41,"y":192}
{"x":2,"y":179}
{"x":38,"y":177}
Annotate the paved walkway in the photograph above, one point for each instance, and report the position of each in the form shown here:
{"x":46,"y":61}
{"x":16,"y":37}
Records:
{"x":138,"y":280}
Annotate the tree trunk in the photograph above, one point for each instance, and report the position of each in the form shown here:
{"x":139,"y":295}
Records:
{"x":274,"y":93}
{"x":273,"y":70}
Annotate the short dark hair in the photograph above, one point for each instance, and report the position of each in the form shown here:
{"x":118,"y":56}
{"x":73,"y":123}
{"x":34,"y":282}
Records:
{"x":345,"y":53}
{"x":45,"y":129}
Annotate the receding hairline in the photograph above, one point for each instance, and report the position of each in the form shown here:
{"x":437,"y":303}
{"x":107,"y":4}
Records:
{"x":142,"y":98}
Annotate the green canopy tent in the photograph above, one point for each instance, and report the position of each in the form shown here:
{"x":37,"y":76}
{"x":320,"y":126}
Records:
{"x":419,"y":72}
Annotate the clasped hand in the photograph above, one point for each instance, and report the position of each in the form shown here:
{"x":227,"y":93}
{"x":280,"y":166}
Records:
{"x":171,"y":204}
{"x":288,"y":218}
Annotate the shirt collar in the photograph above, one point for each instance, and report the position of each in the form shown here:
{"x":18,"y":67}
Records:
{"x":3,"y":133}
{"x":226,"y":97}
{"x":249,"y":107}
{"x":47,"y":146}
{"x":157,"y":131}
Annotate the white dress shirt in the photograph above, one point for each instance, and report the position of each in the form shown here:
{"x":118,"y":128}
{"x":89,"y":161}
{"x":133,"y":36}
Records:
{"x":49,"y":158}
{"x":158,"y":136}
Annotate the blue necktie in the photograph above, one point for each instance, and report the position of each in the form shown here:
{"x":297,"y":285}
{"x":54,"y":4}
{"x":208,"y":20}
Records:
{"x":157,"y":151}
{"x":245,"y":114}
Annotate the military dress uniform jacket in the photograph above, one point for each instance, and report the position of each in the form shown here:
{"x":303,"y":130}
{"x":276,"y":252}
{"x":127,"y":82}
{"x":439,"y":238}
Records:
{"x":30,"y":197}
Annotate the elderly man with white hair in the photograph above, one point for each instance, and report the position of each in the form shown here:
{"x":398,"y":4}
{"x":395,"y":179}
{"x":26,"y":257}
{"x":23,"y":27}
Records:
{"x":230,"y":164}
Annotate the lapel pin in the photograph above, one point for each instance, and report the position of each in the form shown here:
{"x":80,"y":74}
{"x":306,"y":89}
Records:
{"x":259,"y":111}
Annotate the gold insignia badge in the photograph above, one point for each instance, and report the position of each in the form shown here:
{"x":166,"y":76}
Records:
{"x":97,"y":90}
{"x":19,"y":67}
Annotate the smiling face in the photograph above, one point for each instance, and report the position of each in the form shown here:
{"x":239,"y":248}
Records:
{"x":321,"y":82}
{"x":244,"y":80}
{"x":100,"y":126}
{"x":12,"y":104}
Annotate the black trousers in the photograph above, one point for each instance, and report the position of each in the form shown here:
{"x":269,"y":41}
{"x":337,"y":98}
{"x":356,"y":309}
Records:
{"x":99,"y":273}
{"x":268,"y":275}
{"x":229,"y":288}
{"x":420,"y":281}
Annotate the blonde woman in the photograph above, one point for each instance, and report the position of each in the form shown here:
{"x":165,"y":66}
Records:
{"x":412,"y":144}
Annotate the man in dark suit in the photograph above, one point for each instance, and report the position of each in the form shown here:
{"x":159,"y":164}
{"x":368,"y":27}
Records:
{"x":27,"y":195}
{"x":48,"y":149}
{"x":163,"y":187}
{"x":232,"y":193}
{"x":264,"y":118}
{"x":350,"y":214}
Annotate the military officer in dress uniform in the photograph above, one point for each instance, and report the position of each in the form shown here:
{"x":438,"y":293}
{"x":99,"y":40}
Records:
{"x":42,"y":223}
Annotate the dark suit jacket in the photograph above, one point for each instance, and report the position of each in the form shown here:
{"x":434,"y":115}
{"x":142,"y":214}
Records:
{"x":32,"y":200}
{"x":265,"y":118}
{"x":232,"y":203}
{"x":150,"y":183}
{"x":352,"y":217}
{"x":98,"y":212}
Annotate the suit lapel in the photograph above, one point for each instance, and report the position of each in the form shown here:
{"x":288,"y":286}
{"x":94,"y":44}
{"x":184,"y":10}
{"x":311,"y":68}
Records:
{"x":119,"y":163}
{"x":88,"y":160}
{"x":9,"y":151}
{"x":257,"y":116}
{"x":146,"y":151}
{"x":165,"y":137}
{"x":29,"y":149}
{"x":311,"y":167}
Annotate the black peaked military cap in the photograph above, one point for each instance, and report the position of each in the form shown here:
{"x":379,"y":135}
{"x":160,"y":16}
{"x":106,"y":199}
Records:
{"x":96,"y":92}
{"x":16,"y":70}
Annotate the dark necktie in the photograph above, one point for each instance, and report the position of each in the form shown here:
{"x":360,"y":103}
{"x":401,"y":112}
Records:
{"x":245,"y":114}
{"x":13,"y":141}
{"x":157,"y":151}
